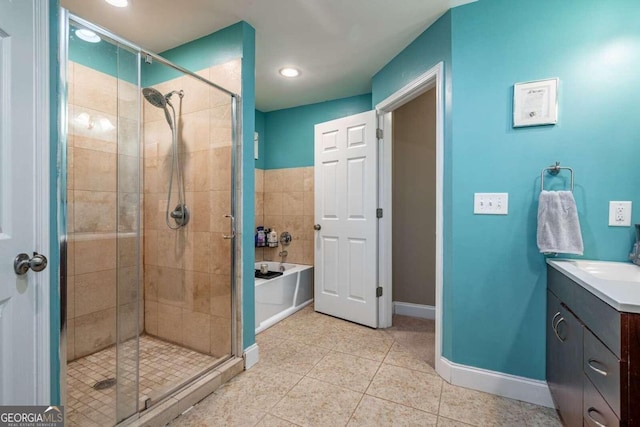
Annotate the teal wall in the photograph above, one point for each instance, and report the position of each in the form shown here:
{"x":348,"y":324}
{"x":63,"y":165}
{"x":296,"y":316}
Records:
{"x":261,"y":129}
{"x":248,"y":184}
{"x":495,"y":278}
{"x":101,"y":56}
{"x":594,"y":48}
{"x":289,"y":132}
{"x":429,"y":49}
{"x":216,"y":48}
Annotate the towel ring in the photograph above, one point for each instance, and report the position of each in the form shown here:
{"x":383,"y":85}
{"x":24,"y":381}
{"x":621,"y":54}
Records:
{"x":555,"y":170}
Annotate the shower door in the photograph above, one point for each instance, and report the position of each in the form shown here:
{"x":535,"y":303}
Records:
{"x":188,"y":146}
{"x":149,"y":206}
{"x":104,"y":303}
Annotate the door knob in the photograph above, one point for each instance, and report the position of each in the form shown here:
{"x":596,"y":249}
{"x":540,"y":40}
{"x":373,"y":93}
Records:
{"x":22,"y":263}
{"x":317,"y":227}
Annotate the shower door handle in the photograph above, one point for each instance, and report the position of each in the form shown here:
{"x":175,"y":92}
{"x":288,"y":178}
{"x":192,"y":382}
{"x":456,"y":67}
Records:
{"x":233,"y":228}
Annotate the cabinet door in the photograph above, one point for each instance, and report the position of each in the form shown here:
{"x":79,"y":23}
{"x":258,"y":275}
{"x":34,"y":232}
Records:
{"x":564,"y":360}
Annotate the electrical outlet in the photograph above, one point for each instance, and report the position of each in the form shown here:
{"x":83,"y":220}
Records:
{"x":619,"y":214}
{"x":491,"y":203}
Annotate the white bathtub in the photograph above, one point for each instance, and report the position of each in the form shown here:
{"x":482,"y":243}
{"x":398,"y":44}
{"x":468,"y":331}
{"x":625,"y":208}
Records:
{"x":284,"y":295}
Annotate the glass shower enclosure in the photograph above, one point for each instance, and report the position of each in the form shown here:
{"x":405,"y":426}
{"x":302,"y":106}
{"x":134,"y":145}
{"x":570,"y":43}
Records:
{"x":148,"y":224}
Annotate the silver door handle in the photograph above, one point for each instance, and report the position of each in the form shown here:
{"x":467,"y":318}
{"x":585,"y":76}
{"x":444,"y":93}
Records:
{"x":233,"y":228}
{"x":317,"y":227}
{"x":23,"y":262}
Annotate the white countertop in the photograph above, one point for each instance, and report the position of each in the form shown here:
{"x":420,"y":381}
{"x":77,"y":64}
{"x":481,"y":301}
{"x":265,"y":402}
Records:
{"x":616,"y":283}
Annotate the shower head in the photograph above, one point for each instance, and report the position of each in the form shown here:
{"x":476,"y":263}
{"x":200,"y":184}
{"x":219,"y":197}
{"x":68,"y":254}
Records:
{"x":154,"y":97}
{"x":159,"y":100}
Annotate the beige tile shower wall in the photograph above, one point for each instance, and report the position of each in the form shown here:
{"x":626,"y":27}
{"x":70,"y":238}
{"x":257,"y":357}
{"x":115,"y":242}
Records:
{"x":102,"y":138}
{"x":187,"y":271}
{"x":288,"y":205}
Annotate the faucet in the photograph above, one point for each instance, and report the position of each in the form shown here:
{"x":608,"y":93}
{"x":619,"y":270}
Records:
{"x":285,"y":239}
{"x":282,"y":255}
{"x":634,"y":256}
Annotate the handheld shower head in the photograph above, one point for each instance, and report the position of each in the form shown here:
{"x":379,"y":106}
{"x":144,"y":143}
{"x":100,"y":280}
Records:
{"x":157,"y":99}
{"x":180,"y":213}
{"x":154,"y":97}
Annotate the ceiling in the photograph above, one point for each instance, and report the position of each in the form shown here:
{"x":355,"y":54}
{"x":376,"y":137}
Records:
{"x":337,"y":44}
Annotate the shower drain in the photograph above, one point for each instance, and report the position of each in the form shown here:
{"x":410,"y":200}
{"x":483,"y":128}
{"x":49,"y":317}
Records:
{"x":105,"y":384}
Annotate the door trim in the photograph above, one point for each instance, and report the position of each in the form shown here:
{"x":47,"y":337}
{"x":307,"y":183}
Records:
{"x":42,"y":134}
{"x":433,"y":78}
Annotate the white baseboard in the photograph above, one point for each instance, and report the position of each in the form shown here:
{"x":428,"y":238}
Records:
{"x":251,"y":356}
{"x":505,"y":385}
{"x":414,"y":310}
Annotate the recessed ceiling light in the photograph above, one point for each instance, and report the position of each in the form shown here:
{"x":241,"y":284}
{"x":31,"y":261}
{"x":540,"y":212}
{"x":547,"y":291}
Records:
{"x":87,"y":35}
{"x":118,"y":3}
{"x":289,"y":72}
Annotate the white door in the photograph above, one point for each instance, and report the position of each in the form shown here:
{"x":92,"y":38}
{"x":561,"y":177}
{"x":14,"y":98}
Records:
{"x":345,"y":211}
{"x":20,"y":305}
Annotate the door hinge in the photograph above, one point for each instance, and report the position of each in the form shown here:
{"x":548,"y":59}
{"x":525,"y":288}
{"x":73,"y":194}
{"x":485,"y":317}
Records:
{"x":379,"y":133}
{"x":379,"y":213}
{"x":379,"y":291}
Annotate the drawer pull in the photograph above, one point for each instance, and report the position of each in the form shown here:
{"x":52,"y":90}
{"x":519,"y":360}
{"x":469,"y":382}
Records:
{"x":553,"y":321}
{"x":600,"y":371}
{"x":589,"y":411}
{"x":555,"y":329}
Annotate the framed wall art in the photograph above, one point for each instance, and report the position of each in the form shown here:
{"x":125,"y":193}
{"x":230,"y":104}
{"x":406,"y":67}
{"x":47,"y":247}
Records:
{"x":535,"y":103}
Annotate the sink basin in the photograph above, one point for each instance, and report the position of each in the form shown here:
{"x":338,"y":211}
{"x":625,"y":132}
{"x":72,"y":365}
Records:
{"x":620,"y":271}
{"x":616,"y":283}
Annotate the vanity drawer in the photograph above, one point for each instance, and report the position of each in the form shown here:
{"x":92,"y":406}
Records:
{"x":596,"y":412}
{"x":603,"y":369}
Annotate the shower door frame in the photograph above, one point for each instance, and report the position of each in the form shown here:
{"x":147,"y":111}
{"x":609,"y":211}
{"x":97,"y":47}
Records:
{"x":66,"y":18}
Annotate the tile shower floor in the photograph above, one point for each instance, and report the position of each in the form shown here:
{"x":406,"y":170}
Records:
{"x":316,"y":370}
{"x":162,"y":365}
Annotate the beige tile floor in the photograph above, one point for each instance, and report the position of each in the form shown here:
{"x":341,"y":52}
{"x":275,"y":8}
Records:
{"x":316,"y":370}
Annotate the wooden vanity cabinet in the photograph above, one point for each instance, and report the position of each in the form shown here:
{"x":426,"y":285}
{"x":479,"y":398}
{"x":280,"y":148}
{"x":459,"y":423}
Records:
{"x":593,"y":356}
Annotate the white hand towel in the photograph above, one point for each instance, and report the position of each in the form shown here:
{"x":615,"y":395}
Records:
{"x":558,"y":224}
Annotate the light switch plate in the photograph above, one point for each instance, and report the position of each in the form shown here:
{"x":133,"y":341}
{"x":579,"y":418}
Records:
{"x":619,"y":214}
{"x":491,"y":203}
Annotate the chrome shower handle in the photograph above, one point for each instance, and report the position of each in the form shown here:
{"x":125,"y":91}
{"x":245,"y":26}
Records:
{"x":233,"y":228}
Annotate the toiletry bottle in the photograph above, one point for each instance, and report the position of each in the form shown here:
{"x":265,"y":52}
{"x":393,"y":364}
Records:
{"x":273,"y":239}
{"x":260,"y":237}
